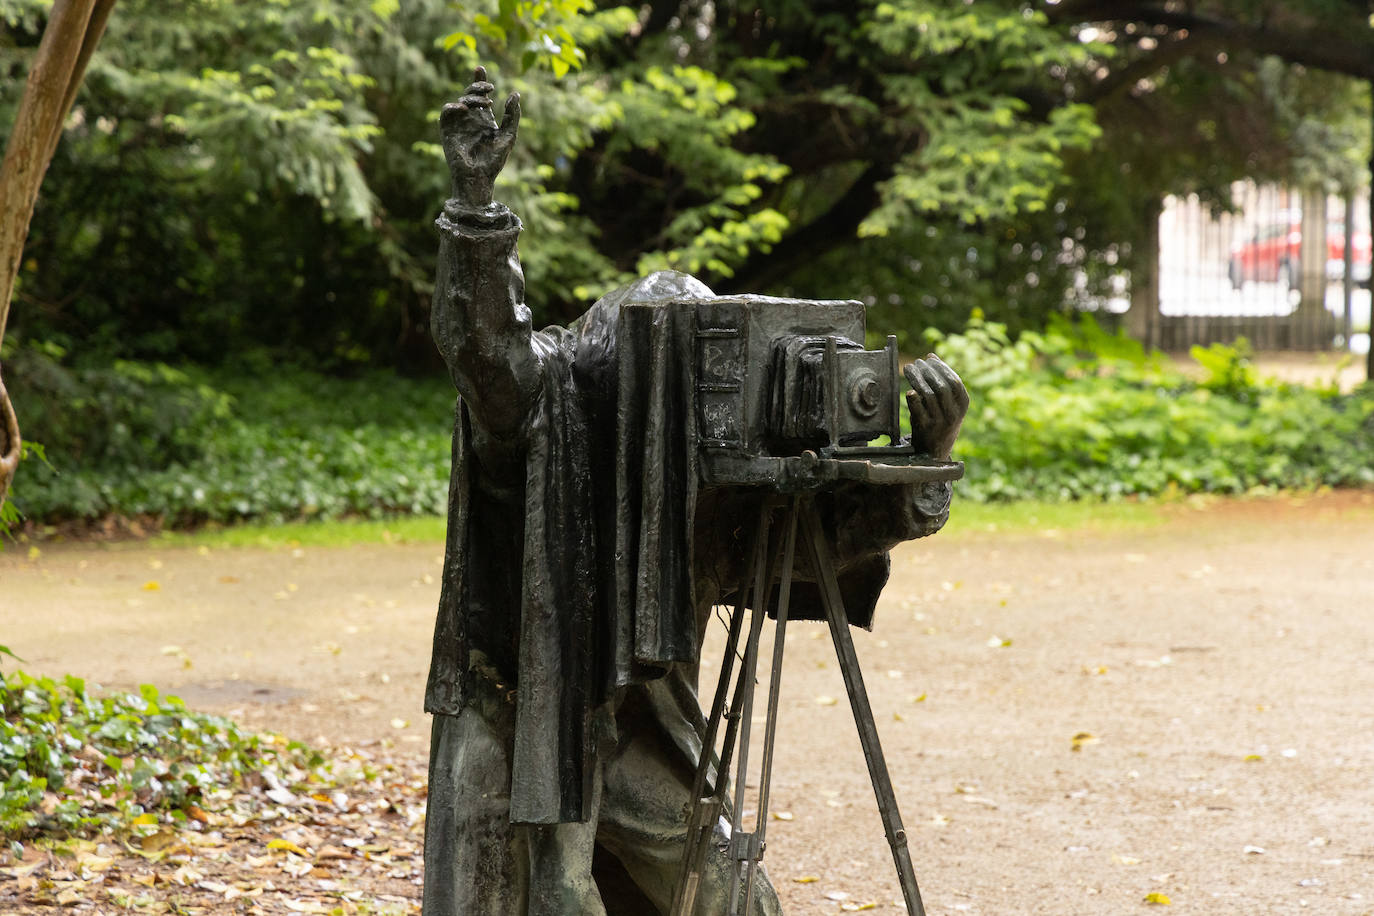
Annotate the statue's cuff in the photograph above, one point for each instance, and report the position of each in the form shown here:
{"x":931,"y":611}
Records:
{"x":465,"y":220}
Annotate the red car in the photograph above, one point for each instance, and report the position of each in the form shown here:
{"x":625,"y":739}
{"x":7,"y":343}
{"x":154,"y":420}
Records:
{"x":1271,"y":255}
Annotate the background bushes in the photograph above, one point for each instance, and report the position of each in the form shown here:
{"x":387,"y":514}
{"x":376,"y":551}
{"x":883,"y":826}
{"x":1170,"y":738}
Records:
{"x":1070,"y":413}
{"x":1075,"y":413}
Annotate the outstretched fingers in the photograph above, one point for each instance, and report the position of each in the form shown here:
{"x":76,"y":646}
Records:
{"x":510,"y":121}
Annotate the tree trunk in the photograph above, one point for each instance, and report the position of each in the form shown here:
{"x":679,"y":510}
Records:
{"x":1142,"y":318}
{"x":73,"y":31}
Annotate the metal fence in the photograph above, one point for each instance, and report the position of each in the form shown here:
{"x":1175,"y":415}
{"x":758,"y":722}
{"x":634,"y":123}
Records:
{"x":1274,"y":270}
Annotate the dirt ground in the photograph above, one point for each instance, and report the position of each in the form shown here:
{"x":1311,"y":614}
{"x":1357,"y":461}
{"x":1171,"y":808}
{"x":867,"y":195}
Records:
{"x":1073,"y":719}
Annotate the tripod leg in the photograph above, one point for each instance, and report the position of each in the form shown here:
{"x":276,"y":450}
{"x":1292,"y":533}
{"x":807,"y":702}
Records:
{"x":705,"y":811}
{"x":789,"y":558}
{"x":819,"y":554}
{"x":747,"y":845}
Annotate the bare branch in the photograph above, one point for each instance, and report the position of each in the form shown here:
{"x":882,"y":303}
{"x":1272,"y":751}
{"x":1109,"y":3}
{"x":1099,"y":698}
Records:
{"x":1169,"y":52}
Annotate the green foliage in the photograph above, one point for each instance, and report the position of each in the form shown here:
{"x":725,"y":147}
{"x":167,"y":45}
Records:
{"x":187,"y":450}
{"x":5,"y":650}
{"x":968,"y":75}
{"x":1229,"y":369}
{"x":138,"y":415}
{"x":1073,"y":414}
{"x":10,"y":516}
{"x":265,"y":173}
{"x":73,"y":762}
{"x":539,"y":30}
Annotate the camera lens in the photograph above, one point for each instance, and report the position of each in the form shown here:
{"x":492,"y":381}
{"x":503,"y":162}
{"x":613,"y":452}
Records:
{"x":865,"y":393}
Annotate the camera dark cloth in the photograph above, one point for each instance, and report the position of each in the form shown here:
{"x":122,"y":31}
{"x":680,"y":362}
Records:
{"x":591,"y":586}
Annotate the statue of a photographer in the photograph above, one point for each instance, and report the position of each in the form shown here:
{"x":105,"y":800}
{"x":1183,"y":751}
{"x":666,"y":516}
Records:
{"x":582,"y":561}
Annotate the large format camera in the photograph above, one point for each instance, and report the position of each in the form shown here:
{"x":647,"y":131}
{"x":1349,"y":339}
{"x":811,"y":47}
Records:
{"x":786,"y":396}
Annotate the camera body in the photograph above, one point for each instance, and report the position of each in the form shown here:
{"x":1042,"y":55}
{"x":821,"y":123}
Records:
{"x":785,"y":395}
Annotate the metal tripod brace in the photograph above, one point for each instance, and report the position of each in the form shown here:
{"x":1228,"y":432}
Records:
{"x":746,"y":848}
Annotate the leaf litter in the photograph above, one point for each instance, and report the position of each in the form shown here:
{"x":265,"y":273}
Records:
{"x":352,"y":847}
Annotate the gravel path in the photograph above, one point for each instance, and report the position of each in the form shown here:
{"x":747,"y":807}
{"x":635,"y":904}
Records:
{"x":1074,"y":720}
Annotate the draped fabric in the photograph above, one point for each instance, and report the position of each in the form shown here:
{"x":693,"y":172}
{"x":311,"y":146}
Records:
{"x":605,"y":595}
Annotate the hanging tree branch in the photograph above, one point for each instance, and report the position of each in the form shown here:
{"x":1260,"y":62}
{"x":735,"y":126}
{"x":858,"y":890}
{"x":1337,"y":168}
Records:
{"x":1322,"y":45}
{"x":72,"y":33}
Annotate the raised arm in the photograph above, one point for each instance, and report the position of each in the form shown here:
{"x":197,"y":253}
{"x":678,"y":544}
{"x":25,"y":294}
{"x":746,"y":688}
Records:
{"x":479,"y":319}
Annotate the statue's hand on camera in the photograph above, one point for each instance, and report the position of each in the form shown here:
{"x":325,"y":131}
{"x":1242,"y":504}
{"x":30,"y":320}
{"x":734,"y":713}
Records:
{"x":937,"y":401}
{"x":474,"y":145}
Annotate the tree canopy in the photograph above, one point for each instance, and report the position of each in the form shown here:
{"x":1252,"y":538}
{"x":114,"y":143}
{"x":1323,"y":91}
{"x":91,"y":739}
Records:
{"x":262,"y":175}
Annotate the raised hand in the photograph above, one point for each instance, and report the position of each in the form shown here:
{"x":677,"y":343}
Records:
{"x":475,"y":147}
{"x":938,"y":401}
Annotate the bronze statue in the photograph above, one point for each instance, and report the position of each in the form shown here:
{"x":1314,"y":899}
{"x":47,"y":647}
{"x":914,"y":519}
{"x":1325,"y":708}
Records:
{"x":588,"y":541}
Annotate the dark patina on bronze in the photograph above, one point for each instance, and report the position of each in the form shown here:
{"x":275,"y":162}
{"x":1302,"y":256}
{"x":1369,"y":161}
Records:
{"x":613,"y":481}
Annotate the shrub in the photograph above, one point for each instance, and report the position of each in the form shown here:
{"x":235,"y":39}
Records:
{"x":1074,"y":413}
{"x":126,"y":413}
{"x":185,"y":448}
{"x":1071,"y":412}
{"x":76,"y":763}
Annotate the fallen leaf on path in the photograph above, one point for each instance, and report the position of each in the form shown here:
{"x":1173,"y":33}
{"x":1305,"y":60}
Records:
{"x":1083,"y":738}
{"x":287,"y":845}
{"x":157,"y":841}
{"x":21,"y":871}
{"x":1158,"y":899}
{"x":187,"y":876}
{"x":282,"y":797}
